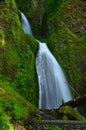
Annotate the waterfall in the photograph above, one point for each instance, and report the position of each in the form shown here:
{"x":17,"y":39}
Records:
{"x":25,"y":24}
{"x":53,"y":87}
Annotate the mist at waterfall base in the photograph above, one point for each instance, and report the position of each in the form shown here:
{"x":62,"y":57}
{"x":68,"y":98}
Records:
{"x":53,"y":87}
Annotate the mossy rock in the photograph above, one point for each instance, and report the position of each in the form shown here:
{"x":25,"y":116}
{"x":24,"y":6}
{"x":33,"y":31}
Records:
{"x":17,"y":58}
{"x":14,"y":105}
{"x":32,"y":42}
{"x":67,"y":112}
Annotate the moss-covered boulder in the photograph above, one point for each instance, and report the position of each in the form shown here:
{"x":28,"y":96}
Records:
{"x":67,"y":112}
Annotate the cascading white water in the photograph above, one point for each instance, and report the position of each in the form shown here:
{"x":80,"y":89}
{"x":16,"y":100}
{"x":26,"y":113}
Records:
{"x":53,"y":87}
{"x":25,"y":24}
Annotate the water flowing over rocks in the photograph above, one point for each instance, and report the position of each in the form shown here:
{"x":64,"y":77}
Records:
{"x":53,"y":86}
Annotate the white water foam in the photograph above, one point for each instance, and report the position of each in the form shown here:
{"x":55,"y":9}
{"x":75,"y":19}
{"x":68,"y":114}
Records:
{"x":53,"y":86}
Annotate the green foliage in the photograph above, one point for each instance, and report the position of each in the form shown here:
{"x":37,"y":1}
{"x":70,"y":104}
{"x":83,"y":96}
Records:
{"x":12,"y":103}
{"x":2,"y":42}
{"x":69,"y":113}
{"x":18,"y":62}
{"x":33,"y":10}
{"x":5,"y":122}
{"x":53,"y":7}
{"x":66,"y":47}
{"x":52,"y":128}
{"x":30,"y":127}
{"x":65,"y":117}
{"x":32,"y":43}
{"x":53,"y":20}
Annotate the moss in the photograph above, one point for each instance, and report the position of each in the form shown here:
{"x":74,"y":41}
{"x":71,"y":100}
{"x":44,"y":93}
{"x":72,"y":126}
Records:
{"x":60,"y":23}
{"x":70,"y":37}
{"x":32,"y":43}
{"x":62,"y":44}
{"x":70,"y":113}
{"x":53,"y":8}
{"x":5,"y":122}
{"x":52,"y":128}
{"x":66,"y":40}
{"x":18,"y":60}
{"x":65,"y":45}
{"x":2,"y":42}
{"x":73,"y":14}
{"x":12,"y":103}
{"x":34,"y":12}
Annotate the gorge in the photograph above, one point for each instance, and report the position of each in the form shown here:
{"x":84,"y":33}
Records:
{"x":61,"y":25}
{"x":53,"y":86}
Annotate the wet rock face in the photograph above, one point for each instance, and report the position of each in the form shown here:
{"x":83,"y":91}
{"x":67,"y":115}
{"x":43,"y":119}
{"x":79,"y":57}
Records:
{"x":74,"y":14}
